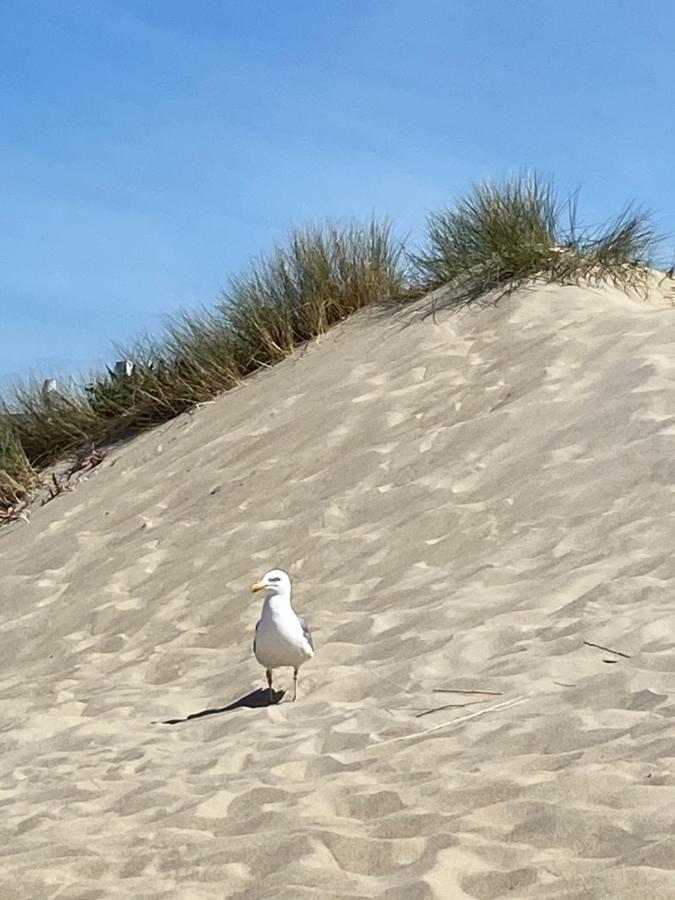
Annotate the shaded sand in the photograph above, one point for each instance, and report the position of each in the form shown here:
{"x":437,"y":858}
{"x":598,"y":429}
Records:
{"x":461,"y":504}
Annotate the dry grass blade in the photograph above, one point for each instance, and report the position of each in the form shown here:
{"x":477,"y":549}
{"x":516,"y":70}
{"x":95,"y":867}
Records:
{"x":462,"y":691}
{"x":428,"y":712}
{"x":497,"y":707}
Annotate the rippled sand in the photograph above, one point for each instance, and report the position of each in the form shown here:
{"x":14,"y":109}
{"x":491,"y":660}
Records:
{"x":461,"y":503}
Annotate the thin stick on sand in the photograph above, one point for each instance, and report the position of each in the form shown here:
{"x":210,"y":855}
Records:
{"x":427,"y":712}
{"x":506,"y":704}
{"x":460,"y":691}
{"x":608,"y":649}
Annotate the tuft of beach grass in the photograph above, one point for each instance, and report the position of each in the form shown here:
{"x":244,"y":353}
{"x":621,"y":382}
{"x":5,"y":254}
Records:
{"x":501,"y":235}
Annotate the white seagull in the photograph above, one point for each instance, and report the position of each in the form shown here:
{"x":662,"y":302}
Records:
{"x":281,"y":637}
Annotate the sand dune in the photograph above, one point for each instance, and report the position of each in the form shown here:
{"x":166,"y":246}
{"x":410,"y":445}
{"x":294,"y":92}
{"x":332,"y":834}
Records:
{"x":461,"y":504}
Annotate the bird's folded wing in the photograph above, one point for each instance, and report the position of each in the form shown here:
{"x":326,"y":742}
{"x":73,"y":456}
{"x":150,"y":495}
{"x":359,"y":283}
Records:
{"x":256,"y":632}
{"x":307,"y":633}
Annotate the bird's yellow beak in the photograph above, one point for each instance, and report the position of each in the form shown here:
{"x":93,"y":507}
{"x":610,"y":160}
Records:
{"x":258,"y":586}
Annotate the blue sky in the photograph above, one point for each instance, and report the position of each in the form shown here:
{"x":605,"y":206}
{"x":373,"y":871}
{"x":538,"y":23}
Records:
{"x":149,"y":148}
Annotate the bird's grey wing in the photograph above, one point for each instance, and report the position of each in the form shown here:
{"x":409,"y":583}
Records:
{"x":307,"y":633}
{"x":256,"y":633}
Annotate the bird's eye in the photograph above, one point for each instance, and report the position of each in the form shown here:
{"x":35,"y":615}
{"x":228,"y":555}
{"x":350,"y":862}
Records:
{"x":275,"y":579}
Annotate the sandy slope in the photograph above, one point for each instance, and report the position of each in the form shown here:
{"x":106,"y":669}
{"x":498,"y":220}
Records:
{"x":461,"y":504}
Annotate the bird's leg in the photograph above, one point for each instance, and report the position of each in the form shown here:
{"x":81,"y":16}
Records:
{"x":295,"y":683}
{"x":268,"y":672}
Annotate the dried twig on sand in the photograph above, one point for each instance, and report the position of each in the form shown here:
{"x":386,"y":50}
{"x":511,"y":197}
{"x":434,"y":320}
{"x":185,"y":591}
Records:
{"x":608,"y":650}
{"x":14,"y":514}
{"x":427,"y":712}
{"x":505,"y":704}
{"x":57,"y":487}
{"x":85,"y":459}
{"x":460,"y":691}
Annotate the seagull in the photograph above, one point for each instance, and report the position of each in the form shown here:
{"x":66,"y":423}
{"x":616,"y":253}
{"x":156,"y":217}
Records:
{"x":282,"y":638}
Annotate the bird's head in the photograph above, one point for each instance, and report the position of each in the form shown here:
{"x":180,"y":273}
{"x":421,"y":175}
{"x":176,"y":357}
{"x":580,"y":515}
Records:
{"x":276,"y":582}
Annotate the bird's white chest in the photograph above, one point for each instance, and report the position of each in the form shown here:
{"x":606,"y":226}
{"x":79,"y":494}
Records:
{"x":279,"y":640}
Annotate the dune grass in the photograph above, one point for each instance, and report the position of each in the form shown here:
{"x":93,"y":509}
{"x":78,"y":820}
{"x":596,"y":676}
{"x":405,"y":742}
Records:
{"x":498,"y":236}
{"x":320,"y":276}
{"x":501,"y":235}
{"x":49,"y":424}
{"x":18,"y":478}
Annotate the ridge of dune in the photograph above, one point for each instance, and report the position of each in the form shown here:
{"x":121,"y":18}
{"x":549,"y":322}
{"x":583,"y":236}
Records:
{"x":462,"y":501}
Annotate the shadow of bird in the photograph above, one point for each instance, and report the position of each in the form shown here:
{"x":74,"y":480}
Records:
{"x":254,"y":700}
